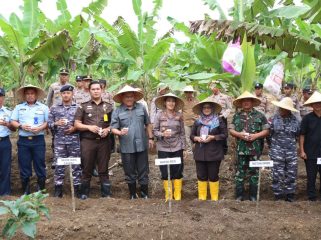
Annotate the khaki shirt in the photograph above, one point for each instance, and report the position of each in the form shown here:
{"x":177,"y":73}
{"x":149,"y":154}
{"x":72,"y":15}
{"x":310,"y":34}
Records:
{"x":177,"y":140}
{"x":81,"y":96}
{"x":304,"y":110}
{"x":54,"y":96}
{"x":188,"y":114}
{"x":90,"y":113}
{"x":225,"y":101}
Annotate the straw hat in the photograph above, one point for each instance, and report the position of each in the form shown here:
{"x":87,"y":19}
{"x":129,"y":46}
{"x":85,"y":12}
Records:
{"x":315,"y":98}
{"x":137,"y":95}
{"x":285,"y":103}
{"x":246,"y":95}
{"x":188,"y":88}
{"x":197,"y":109}
{"x":160,"y":101}
{"x":21,"y":92}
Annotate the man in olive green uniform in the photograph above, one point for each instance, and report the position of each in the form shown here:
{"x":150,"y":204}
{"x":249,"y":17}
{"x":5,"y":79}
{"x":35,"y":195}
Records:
{"x":249,"y":126}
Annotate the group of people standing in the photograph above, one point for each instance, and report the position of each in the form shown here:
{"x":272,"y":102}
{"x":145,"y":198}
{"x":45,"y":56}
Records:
{"x":84,"y":121}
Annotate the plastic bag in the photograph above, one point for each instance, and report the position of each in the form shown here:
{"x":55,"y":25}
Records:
{"x":273,"y":81}
{"x":232,"y":60}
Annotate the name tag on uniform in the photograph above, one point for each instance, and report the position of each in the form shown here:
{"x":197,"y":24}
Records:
{"x":318,"y":161}
{"x":40,"y":112}
{"x":105,"y":117}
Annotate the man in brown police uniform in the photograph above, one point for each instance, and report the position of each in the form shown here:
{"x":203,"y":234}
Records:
{"x":93,"y":120}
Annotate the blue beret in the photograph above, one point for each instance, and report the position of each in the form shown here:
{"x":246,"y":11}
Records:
{"x":2,"y":92}
{"x":102,"y":81}
{"x":78,"y":78}
{"x":307,"y":89}
{"x":66,"y":88}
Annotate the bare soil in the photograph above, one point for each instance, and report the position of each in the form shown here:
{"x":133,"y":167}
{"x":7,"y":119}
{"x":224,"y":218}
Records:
{"x":120,"y":218}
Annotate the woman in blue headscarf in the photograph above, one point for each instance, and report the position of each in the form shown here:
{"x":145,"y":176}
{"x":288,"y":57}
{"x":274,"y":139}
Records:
{"x":208,"y":133}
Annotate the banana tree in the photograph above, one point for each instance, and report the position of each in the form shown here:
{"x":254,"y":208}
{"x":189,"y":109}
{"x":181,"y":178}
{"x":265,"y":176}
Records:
{"x":25,"y":45}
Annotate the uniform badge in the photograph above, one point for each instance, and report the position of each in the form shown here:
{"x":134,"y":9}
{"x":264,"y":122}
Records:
{"x":105,"y":117}
{"x":89,"y":115}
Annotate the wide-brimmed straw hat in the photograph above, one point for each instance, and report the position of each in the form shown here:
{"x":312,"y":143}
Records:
{"x":285,"y":103}
{"x":197,"y":109}
{"x":137,"y":95}
{"x":160,"y":101}
{"x":315,"y":98}
{"x":246,"y":95}
{"x":188,"y":88}
{"x":21,"y":92}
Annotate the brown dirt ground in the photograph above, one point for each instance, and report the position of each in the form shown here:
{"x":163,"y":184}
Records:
{"x":119,"y":218}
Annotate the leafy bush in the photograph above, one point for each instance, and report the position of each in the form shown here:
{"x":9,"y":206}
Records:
{"x":24,"y":213}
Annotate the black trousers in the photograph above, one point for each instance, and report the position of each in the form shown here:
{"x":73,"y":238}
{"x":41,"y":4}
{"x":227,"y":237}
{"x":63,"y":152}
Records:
{"x":136,"y":167}
{"x":176,"y":170}
{"x":208,"y":170}
{"x":312,"y":170}
{"x":225,"y":146}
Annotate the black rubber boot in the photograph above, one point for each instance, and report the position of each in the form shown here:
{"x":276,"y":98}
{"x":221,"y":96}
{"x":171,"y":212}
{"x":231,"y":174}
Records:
{"x":77,"y":191}
{"x":290,"y":197}
{"x":58,"y":191}
{"x":253,"y":193}
{"x":239,"y":191}
{"x":84,"y":189}
{"x":278,"y":197}
{"x":105,"y":189}
{"x":144,"y":191}
{"x":132,"y":190}
{"x":25,"y":186}
{"x":41,"y":184}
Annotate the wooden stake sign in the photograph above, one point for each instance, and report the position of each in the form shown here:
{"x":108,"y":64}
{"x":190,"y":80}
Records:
{"x":70,"y":162}
{"x":168,"y":162}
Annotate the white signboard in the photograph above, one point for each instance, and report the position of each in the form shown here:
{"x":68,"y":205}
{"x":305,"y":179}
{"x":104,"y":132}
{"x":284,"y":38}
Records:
{"x":167,"y":161}
{"x":319,"y":161}
{"x":260,"y":164}
{"x":68,"y":161}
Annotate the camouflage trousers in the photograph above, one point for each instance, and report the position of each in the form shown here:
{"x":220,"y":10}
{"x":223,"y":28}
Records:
{"x":243,"y":171}
{"x":284,"y":171}
{"x":64,"y":151}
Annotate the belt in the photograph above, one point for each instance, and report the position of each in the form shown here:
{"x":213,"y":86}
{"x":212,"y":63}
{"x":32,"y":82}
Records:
{"x":30,"y":137}
{"x":4,"y":138}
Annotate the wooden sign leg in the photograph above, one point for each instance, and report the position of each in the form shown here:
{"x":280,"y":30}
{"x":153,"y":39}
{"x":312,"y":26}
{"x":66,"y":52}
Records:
{"x":73,"y":202}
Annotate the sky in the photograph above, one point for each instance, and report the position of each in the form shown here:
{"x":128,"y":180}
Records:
{"x":181,"y":10}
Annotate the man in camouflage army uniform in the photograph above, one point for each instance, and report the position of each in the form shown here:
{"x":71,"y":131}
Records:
{"x":248,"y":127}
{"x":288,"y":91}
{"x":84,"y":95}
{"x":67,"y":143}
{"x":306,"y":94}
{"x":226,"y":103}
{"x":284,"y":132}
{"x":54,"y":96}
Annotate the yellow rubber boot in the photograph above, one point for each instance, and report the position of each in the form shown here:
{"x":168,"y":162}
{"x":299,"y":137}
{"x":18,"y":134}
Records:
{"x":214,"y":189}
{"x":202,"y":190}
{"x":168,"y":194}
{"x":178,"y":189}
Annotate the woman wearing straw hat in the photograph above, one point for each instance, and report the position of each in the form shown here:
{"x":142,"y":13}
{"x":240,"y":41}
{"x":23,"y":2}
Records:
{"x":31,"y":117}
{"x":129,"y":122}
{"x":248,"y":126}
{"x":310,"y":142}
{"x":284,"y":132}
{"x":208,"y":133}
{"x":170,"y":134}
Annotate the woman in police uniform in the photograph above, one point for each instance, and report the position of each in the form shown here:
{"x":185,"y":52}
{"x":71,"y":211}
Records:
{"x":170,"y":133}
